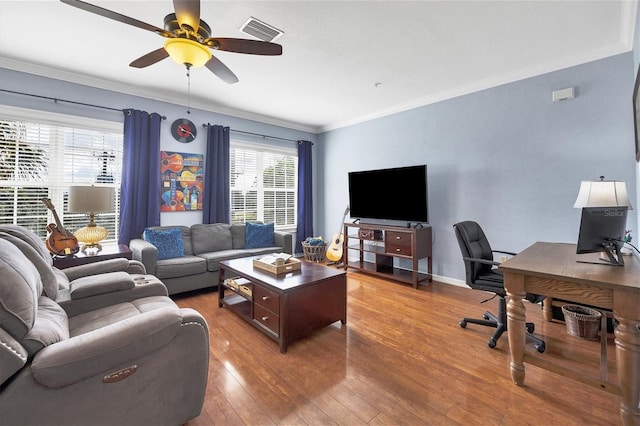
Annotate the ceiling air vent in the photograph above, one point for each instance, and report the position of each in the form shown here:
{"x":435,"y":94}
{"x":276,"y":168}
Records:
{"x":261,"y":30}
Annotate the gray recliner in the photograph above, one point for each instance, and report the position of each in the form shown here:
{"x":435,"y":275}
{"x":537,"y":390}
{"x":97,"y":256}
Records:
{"x":86,"y":287}
{"x":111,"y":348}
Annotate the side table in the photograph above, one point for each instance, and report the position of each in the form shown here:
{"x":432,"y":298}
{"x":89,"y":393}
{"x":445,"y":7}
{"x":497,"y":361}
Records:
{"x":108,"y":252}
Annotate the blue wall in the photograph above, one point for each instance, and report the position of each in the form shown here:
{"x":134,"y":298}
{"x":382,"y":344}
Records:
{"x":506,"y":157}
{"x":29,"y":83}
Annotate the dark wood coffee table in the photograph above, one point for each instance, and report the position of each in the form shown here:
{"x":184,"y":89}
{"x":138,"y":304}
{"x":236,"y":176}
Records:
{"x":286,"y":307}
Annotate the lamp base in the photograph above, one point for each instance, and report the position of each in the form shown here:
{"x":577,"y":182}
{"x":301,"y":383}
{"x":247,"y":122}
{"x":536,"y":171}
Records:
{"x":91,"y":249}
{"x":90,"y":236}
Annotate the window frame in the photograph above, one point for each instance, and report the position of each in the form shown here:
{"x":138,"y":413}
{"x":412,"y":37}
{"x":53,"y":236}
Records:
{"x":239,"y":143}
{"x":58,"y":190}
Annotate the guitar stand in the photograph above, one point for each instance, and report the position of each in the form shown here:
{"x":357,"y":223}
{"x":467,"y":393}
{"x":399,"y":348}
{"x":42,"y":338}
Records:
{"x":337,"y":264}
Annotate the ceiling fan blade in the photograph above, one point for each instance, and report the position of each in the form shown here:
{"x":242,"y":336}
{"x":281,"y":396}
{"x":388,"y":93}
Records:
{"x":241,"y":45}
{"x":115,"y":16}
{"x":219,"y":69}
{"x":188,"y":13}
{"x":150,"y":58}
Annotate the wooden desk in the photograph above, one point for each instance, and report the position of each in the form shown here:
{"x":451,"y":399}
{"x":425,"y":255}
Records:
{"x":551,"y":269}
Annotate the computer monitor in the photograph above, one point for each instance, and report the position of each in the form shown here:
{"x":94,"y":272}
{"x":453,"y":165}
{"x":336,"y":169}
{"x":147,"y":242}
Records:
{"x":602,"y":229}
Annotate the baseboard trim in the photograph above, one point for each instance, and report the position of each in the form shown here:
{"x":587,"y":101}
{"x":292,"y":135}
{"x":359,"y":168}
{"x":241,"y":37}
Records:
{"x":450,"y":281}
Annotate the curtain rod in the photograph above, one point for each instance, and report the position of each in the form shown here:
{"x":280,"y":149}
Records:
{"x":256,"y":134}
{"x":55,"y":100}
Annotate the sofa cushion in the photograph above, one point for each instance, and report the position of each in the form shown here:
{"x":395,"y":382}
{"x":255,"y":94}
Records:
{"x":47,"y":275}
{"x":62,"y":279}
{"x":213,"y":258}
{"x":109,"y":338}
{"x":109,"y":315}
{"x":20,"y":288}
{"x":259,"y":235}
{"x":167,"y":241}
{"x":263,"y":250}
{"x":238,"y":236}
{"x":29,"y":237}
{"x":180,"y":267}
{"x":51,"y":326}
{"x":211,"y":237}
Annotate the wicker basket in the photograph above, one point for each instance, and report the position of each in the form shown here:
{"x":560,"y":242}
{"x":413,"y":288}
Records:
{"x":581,"y":321}
{"x":314,"y":253}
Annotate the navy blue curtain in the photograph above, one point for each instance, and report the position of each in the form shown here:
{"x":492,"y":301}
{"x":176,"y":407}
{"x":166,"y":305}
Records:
{"x":140,"y":188}
{"x":217,"y":197}
{"x":305,"y":195}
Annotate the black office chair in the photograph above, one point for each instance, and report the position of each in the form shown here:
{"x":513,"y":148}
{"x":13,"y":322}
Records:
{"x":481,"y":275}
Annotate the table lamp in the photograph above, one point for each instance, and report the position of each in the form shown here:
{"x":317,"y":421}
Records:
{"x":91,"y":200}
{"x":602,"y":193}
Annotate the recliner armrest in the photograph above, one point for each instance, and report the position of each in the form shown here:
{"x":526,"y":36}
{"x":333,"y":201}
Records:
{"x":145,"y":252}
{"x":112,"y":347}
{"x":100,"y":284}
{"x":101,"y":267}
{"x":284,"y":240}
{"x":115,"y":292}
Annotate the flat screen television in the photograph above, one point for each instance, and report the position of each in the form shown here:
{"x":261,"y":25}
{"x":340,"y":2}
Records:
{"x":399,"y":193}
{"x":602,"y":229}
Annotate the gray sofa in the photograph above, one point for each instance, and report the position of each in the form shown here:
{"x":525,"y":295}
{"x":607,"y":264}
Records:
{"x":205,"y":245}
{"x":108,"y":348}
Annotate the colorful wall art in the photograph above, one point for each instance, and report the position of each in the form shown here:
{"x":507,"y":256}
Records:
{"x":182,"y":181}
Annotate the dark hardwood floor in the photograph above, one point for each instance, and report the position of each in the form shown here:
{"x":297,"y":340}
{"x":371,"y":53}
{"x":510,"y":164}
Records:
{"x":401,"y":359}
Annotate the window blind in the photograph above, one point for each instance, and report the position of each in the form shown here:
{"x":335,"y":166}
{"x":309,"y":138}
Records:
{"x":263,"y":184}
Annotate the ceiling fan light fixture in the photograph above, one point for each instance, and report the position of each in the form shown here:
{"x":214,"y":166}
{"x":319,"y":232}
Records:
{"x":185,"y":51}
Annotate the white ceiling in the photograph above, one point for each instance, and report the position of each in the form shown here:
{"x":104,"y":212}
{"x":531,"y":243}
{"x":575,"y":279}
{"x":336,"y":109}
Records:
{"x":343,"y":62}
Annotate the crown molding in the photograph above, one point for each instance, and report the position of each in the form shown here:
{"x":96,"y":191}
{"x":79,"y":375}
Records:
{"x":127,"y":89}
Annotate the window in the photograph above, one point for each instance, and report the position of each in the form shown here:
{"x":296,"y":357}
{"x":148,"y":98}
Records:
{"x":42,"y":154}
{"x":263,"y":184}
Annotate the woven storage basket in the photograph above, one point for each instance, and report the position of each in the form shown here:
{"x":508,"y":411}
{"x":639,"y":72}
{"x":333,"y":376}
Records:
{"x":581,"y":321}
{"x":314,"y":253}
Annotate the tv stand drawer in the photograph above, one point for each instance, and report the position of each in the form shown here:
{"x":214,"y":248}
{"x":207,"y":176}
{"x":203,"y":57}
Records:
{"x":398,"y":243}
{"x":398,"y":250}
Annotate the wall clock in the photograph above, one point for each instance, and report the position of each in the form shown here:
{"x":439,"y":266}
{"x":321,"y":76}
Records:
{"x":183,"y":130}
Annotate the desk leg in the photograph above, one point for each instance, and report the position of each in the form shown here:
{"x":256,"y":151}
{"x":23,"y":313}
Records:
{"x":628,"y":363}
{"x":516,"y":327}
{"x":547,"y":309}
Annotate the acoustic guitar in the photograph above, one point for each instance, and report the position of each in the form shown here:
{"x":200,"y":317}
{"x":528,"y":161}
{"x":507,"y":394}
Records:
{"x":334,"y":251}
{"x":60,"y":241}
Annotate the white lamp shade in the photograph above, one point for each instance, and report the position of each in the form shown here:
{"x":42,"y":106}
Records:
{"x":91,"y":199}
{"x":603,"y":193}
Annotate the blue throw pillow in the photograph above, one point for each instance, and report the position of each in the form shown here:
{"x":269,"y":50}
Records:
{"x":259,"y":235}
{"x":167,"y":241}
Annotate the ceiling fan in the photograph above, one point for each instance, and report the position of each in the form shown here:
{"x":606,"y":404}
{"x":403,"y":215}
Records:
{"x":188,"y":39}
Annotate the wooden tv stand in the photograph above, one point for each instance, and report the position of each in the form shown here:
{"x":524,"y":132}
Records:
{"x":372,"y":249}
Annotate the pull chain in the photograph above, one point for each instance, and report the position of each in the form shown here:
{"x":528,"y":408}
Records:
{"x":188,"y":88}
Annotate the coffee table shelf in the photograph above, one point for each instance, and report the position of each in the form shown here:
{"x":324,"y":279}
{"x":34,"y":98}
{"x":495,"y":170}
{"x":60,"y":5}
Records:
{"x":238,"y":303}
